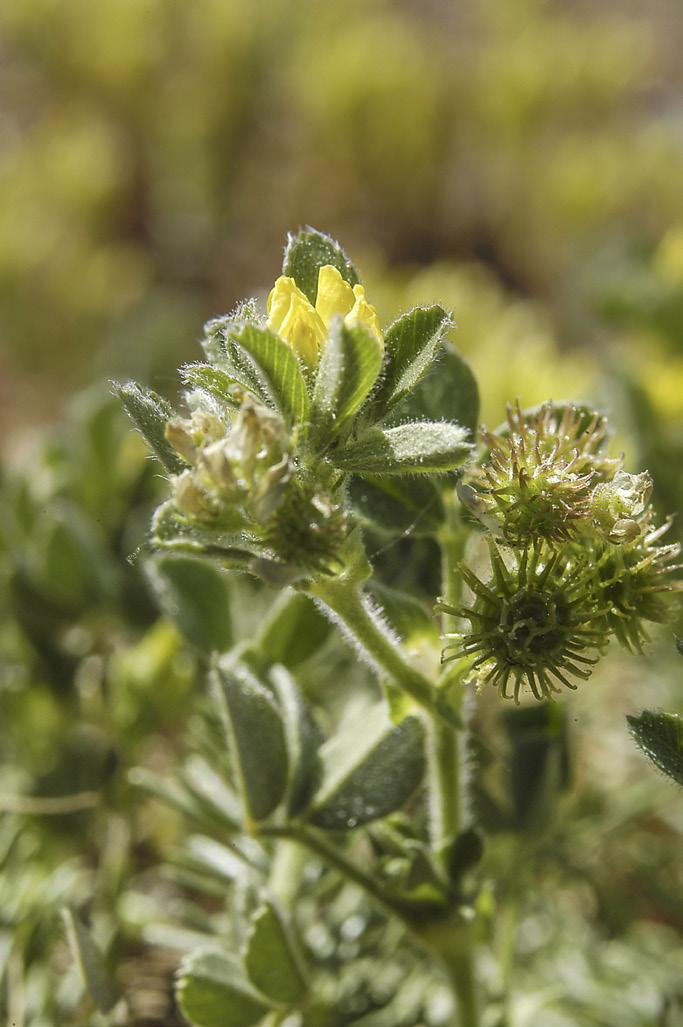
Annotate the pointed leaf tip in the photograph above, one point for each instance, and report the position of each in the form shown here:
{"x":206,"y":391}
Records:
{"x":660,"y":737}
{"x":309,"y":250}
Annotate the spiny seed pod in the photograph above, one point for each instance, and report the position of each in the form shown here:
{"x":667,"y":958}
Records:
{"x":633,"y":581}
{"x":540,"y":474}
{"x":533,"y":622}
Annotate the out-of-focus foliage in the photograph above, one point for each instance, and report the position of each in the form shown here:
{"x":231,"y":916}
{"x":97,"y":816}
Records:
{"x":152,"y":152}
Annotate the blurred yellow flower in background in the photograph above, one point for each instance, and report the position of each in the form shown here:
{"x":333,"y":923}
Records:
{"x":304,"y":326}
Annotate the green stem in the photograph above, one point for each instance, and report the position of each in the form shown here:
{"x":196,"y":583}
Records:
{"x":346,"y":604}
{"x":445,"y":784}
{"x":286,"y":869}
{"x":332,"y":856}
{"x":444,"y":742}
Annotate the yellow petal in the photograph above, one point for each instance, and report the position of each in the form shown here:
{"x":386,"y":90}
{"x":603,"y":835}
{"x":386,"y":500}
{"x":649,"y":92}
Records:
{"x":295,"y":320}
{"x":364,"y":313}
{"x":335,"y":295}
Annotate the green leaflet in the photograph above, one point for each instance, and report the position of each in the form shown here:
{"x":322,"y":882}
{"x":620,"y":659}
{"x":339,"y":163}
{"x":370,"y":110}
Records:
{"x":660,"y":736}
{"x":308,"y":251}
{"x":233,"y":548}
{"x":91,"y":963}
{"x":218,"y":383}
{"x":293,"y":629}
{"x":185,"y":797}
{"x":302,"y":736}
{"x":212,"y":991}
{"x":276,"y":368}
{"x":150,"y":413}
{"x":349,"y":367}
{"x":408,"y":617}
{"x":412,"y":343}
{"x":538,"y":765}
{"x":256,"y":736}
{"x":393,"y":506}
{"x":466,"y":853}
{"x":370,"y":768}
{"x":447,"y":392}
{"x":196,"y":595}
{"x":72,"y":565}
{"x":272,"y":959}
{"x":418,"y":447}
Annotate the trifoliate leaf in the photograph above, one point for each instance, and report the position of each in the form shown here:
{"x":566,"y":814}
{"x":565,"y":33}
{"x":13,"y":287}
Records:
{"x":91,"y":963}
{"x":370,"y":768}
{"x":660,"y":736}
{"x":308,"y":251}
{"x":212,"y":991}
{"x":196,"y":595}
{"x":150,"y":414}
{"x":419,"y":447}
{"x":256,"y":735}
{"x":348,"y":369}
{"x":276,"y":368}
{"x":412,"y":343}
{"x":272,"y":959}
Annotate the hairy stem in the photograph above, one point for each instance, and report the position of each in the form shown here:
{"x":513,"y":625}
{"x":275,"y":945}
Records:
{"x":445,"y":779}
{"x":346,"y":604}
{"x":444,"y":743}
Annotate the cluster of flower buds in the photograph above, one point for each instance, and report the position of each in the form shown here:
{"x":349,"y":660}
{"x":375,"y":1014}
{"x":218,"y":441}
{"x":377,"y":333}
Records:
{"x":244,"y":464}
{"x":575,"y":554}
{"x":243,"y":474}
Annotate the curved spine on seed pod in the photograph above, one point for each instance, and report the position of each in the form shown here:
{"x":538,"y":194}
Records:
{"x":534,"y":621}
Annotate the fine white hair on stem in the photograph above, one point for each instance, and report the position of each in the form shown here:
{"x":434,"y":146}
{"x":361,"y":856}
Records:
{"x":378,"y":618}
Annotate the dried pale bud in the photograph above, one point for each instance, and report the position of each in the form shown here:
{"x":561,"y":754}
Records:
{"x":191,"y":498}
{"x":189,"y":435}
{"x":269,"y":489}
{"x":217,"y":464}
{"x":258,"y":440}
{"x":617,"y":507}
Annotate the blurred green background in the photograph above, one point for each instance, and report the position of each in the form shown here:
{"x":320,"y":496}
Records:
{"x":519,"y":161}
{"x":153,"y":154}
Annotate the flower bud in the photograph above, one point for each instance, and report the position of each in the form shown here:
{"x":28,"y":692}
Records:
{"x":617,"y":506}
{"x":189,"y":435}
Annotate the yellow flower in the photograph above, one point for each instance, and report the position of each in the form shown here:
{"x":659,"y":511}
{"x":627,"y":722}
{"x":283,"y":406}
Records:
{"x":304,"y":326}
{"x":291,"y":315}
